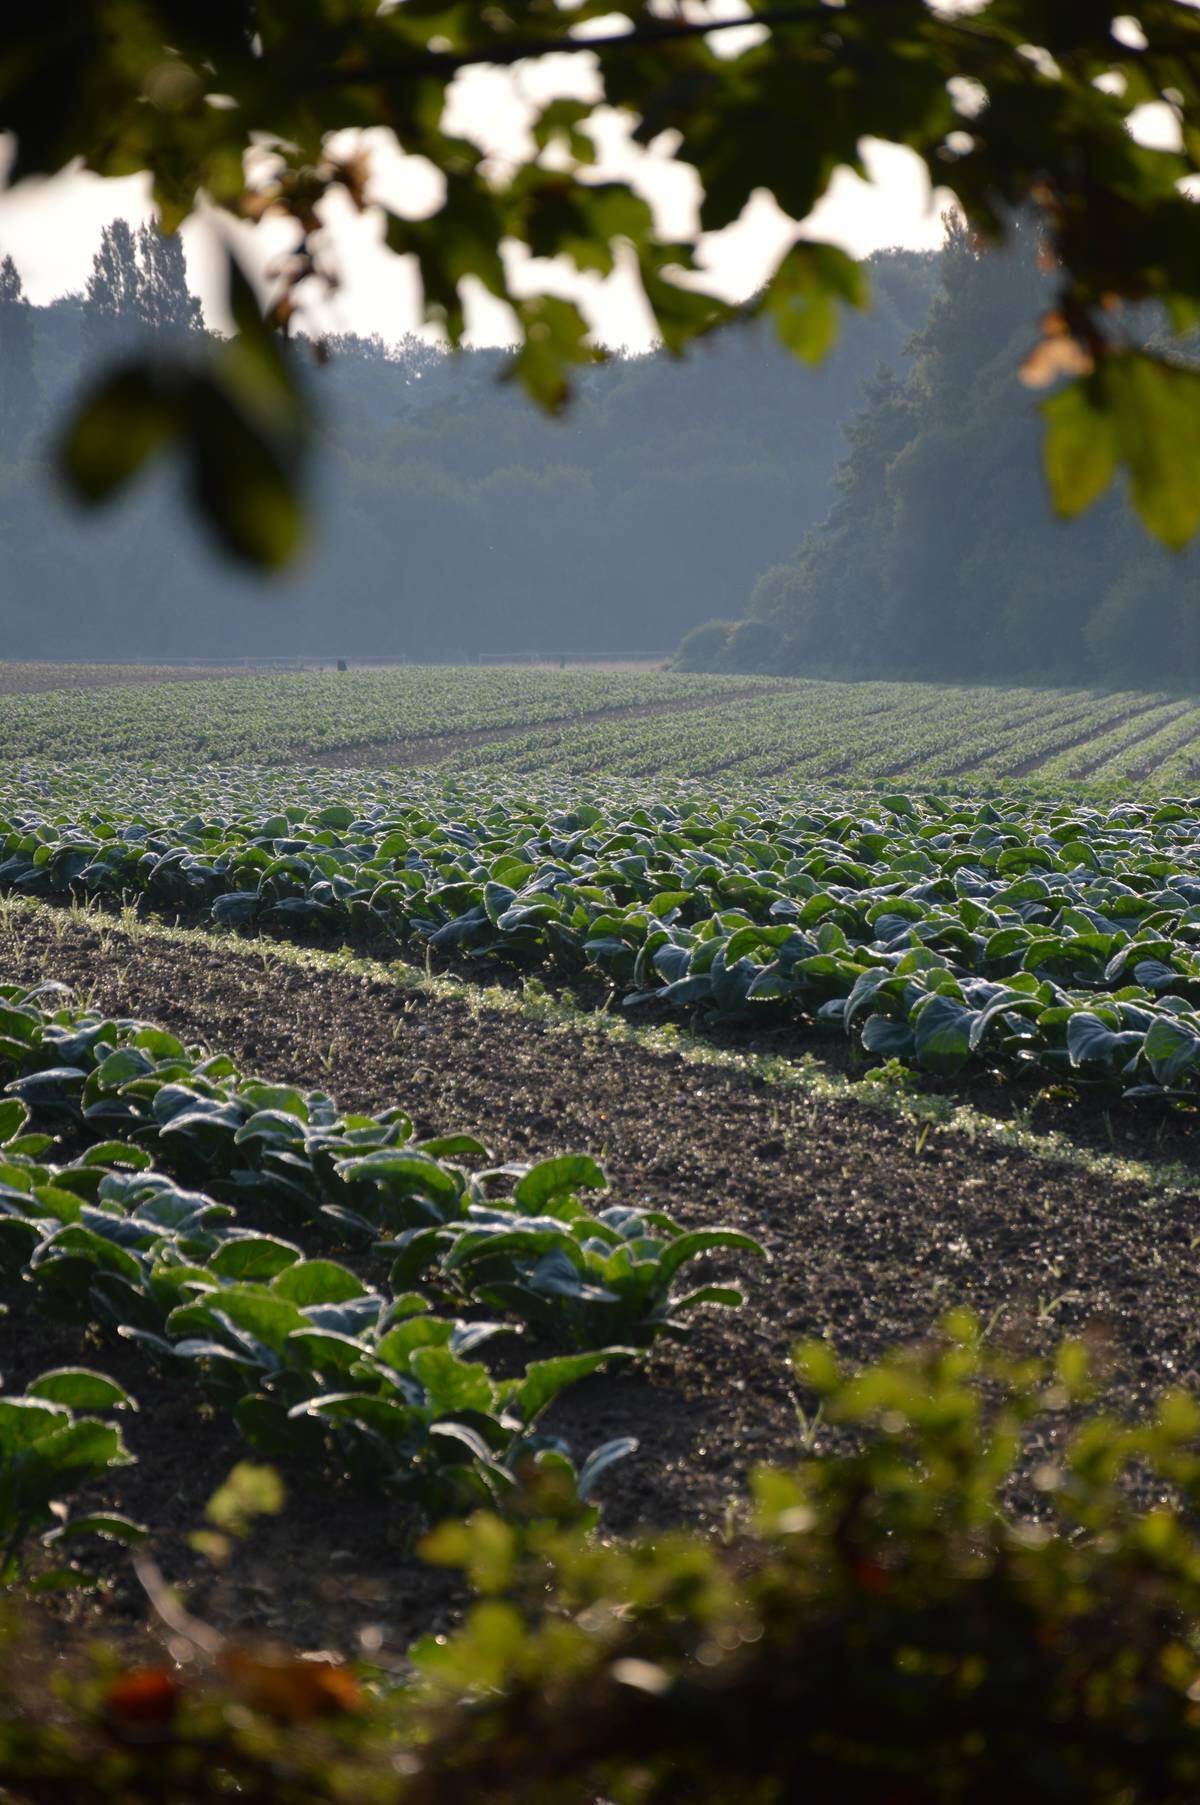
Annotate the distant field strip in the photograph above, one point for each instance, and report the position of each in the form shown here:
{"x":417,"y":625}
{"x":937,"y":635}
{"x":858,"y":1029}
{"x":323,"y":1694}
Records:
{"x":867,"y":732}
{"x":1171,"y":756}
{"x":413,"y":753}
{"x":1113,"y":745}
{"x":303,"y":715}
{"x":518,"y":722}
{"x":35,"y":679}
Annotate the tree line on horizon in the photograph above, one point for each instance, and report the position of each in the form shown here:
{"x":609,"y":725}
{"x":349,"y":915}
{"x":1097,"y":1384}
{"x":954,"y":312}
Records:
{"x":454,"y":520}
{"x":882,"y":515}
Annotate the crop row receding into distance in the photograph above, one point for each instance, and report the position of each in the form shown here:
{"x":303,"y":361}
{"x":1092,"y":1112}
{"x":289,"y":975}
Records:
{"x":270,"y":716}
{"x":1022,"y":935}
{"x":624,"y":723}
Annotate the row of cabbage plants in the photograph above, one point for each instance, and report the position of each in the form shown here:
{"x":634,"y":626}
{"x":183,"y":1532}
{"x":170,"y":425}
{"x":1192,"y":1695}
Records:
{"x":275,"y":715}
{"x":374,"y":1364}
{"x":861,"y":733}
{"x":1039,"y":937}
{"x":623,"y":724}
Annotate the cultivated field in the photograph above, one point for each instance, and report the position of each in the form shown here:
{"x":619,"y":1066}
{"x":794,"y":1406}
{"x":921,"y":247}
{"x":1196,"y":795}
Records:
{"x":1056,"y":940}
{"x":803,"y":733}
{"x":399,"y":714}
{"x":532,"y":723}
{"x":34,"y":679}
{"x":424,"y":1130}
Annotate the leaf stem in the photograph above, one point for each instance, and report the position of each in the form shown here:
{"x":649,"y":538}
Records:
{"x":20,"y":1531}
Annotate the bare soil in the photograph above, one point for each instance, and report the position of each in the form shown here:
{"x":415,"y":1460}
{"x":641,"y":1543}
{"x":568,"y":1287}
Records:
{"x":873,"y":1231}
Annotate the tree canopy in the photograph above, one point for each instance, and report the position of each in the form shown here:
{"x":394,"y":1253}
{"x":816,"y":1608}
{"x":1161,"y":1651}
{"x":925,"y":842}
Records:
{"x":1010,"y":104}
{"x":937,"y":556}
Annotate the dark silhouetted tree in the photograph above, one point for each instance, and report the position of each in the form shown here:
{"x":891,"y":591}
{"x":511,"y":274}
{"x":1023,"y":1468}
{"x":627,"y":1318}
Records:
{"x":19,"y":389}
{"x":940,"y":557}
{"x":111,"y":296}
{"x":164,"y":300}
{"x":138,"y":280}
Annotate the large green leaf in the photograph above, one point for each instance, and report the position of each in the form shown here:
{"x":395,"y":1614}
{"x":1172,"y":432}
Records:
{"x":942,"y":1035}
{"x":249,"y":1258}
{"x":81,"y":1389}
{"x":1091,"y":1041}
{"x":13,"y":1116}
{"x":243,"y":481}
{"x":1172,"y":1050}
{"x":555,"y":337}
{"x":803,"y":294}
{"x":701,"y":1241}
{"x":405,"y":1173}
{"x":25,"y":1421}
{"x":81,"y":1450}
{"x":552,"y":1179}
{"x":324,"y":1350}
{"x":268,"y":1318}
{"x":1080,"y":447}
{"x":317,"y":1282}
{"x":399,"y":1344}
{"x":1155,"y":409}
{"x":545,"y":1379}
{"x":127,"y":417}
{"x":452,"y":1384}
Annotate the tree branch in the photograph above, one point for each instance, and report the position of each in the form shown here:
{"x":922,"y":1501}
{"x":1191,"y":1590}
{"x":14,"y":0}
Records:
{"x":664,"y":31}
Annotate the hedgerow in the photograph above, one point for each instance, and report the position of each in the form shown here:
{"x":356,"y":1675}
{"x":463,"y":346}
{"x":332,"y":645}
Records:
{"x":988,"y":1589}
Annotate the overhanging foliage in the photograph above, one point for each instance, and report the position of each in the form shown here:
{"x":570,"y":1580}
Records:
{"x":1001,"y":103}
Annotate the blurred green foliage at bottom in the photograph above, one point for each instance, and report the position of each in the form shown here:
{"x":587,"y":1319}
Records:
{"x":984,"y":1588}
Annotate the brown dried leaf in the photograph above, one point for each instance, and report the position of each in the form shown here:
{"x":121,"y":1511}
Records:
{"x":1055,"y":357}
{"x":142,"y":1700}
{"x":287,"y":1687}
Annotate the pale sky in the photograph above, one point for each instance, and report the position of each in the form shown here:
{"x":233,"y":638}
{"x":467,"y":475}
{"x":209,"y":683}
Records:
{"x":52,"y":227}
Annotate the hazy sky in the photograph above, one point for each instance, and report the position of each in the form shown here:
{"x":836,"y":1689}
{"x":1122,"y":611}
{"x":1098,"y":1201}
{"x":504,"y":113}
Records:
{"x":52,"y":227}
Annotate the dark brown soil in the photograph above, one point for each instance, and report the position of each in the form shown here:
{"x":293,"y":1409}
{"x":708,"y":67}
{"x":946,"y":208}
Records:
{"x":1087,"y":1115}
{"x":873,"y":1229}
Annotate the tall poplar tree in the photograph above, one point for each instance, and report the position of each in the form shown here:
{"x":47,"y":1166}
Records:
{"x":19,"y":388}
{"x":138,"y":279}
{"x":112,"y":296}
{"x":164,"y":300}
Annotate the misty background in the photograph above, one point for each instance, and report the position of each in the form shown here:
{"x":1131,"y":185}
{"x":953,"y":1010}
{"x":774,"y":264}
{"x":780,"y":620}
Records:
{"x":883,"y":514}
